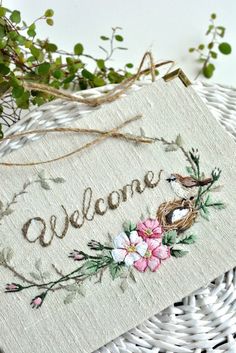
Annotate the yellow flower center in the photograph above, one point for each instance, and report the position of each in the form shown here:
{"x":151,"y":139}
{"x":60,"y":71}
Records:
{"x":131,"y":248}
{"x":148,"y":232}
{"x":148,"y":254}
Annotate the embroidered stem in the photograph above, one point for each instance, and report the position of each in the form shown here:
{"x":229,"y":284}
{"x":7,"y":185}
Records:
{"x":23,"y":278}
{"x":185,"y":153}
{"x":7,"y":210}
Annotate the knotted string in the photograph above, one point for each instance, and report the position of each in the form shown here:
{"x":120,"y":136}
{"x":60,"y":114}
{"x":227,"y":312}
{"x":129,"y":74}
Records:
{"x":111,"y":96}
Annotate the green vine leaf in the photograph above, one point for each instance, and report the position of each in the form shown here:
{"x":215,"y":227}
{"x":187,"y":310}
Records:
{"x":225,"y":48}
{"x":29,"y":57}
{"x":208,"y":70}
{"x":208,"y":52}
{"x":78,"y":49}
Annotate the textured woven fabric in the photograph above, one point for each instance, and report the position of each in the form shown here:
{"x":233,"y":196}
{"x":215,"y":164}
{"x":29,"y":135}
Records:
{"x":201,"y":321}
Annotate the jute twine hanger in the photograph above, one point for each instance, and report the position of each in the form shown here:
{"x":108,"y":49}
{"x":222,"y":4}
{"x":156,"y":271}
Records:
{"x":111,"y":96}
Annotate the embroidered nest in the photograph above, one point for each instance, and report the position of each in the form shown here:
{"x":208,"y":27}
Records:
{"x":177,"y":215}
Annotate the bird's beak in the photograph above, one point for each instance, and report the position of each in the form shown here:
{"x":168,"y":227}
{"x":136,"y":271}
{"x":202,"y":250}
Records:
{"x":168,"y":179}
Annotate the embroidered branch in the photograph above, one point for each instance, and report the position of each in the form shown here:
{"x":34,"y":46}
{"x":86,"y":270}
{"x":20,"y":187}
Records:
{"x":141,"y":246}
{"x":8,"y":208}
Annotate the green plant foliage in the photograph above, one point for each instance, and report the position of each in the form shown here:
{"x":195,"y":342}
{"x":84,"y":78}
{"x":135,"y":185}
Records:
{"x":209,"y":52}
{"x":26,"y":57}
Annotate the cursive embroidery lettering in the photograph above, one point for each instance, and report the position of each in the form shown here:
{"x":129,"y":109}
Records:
{"x":97,"y":207}
{"x":113,"y":201}
{"x":90,"y":209}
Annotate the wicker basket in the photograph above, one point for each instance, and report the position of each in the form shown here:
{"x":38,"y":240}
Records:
{"x":203,"y":322}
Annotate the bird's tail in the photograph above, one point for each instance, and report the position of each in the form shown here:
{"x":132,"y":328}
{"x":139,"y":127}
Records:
{"x":204,"y":182}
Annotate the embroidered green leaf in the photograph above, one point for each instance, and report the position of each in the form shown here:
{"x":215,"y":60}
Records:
{"x":92,"y":266}
{"x":115,"y":270}
{"x":218,"y":205}
{"x":128,"y":226}
{"x":7,"y":212}
{"x":172,"y":147}
{"x":8,"y":254}
{"x":45,"y":275}
{"x":41,"y":174}
{"x":35,"y":276}
{"x":45,"y":185}
{"x":71,"y":287}
{"x":208,"y":200}
{"x":132,"y":276}
{"x":124,"y":285}
{"x":169,"y":237}
{"x":76,"y":288}
{"x":178,"y":252}
{"x":59,"y":180}
{"x":188,"y":239}
{"x":179,"y":140}
{"x":204,"y":212}
{"x":38,"y":264}
{"x":2,"y":259}
{"x":69,"y":298}
{"x":217,"y":188}
{"x":142,"y":132}
{"x":81,"y":290}
{"x":190,"y":170}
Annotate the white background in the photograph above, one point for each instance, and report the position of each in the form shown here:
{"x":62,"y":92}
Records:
{"x":166,"y":27}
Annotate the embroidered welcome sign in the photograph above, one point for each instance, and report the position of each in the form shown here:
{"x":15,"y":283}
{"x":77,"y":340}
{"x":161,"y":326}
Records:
{"x":110,"y":236}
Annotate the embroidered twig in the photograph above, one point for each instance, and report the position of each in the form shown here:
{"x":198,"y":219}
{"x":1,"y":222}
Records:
{"x":41,"y":179}
{"x":177,"y":144}
{"x":141,"y":246}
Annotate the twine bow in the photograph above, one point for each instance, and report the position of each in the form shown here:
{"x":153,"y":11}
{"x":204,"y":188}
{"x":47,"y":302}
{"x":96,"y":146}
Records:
{"x":111,"y":96}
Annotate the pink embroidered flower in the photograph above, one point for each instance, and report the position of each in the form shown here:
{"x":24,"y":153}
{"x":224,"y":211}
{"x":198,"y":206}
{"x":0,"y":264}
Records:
{"x":128,"y":249}
{"x":150,"y":228}
{"x":38,"y":301}
{"x":155,"y":253}
{"x":77,"y":255}
{"x":13,"y":287}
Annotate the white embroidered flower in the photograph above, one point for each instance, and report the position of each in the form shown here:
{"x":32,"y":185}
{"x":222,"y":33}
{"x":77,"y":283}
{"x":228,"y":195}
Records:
{"x":128,"y":249}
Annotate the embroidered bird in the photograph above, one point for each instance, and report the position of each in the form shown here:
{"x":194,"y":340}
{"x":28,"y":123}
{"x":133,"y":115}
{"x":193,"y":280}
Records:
{"x":186,"y":187}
